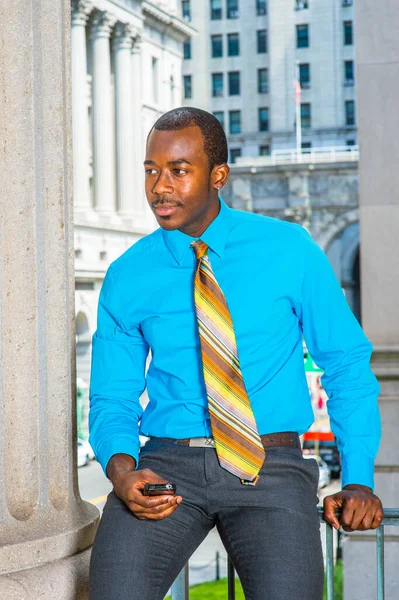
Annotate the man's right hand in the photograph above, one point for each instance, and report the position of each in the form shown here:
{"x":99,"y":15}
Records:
{"x":129,"y":484}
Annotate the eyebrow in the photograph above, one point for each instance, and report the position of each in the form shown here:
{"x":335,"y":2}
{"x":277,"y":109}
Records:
{"x":178,"y":161}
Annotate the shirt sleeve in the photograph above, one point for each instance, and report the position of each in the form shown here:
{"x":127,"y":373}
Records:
{"x":117,"y":379}
{"x":339,"y":346}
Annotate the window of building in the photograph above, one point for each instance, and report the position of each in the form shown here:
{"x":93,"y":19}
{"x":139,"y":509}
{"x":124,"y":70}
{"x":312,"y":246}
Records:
{"x":349,"y":72}
{"x":232,"y":9}
{"x":304,"y":75}
{"x":217,"y":46}
{"x":306,"y":115}
{"x":219,"y":114}
{"x":350,"y":112}
{"x":234,"y":121}
{"x":263,"y":81}
{"x":234,"y":154}
{"x":188,"y":90}
{"x":264,"y":150}
{"x":306,"y":147}
{"x":347,"y":2}
{"x":348,"y":33}
{"x":302,"y":36}
{"x":217,"y":84}
{"x":216,"y":10}
{"x":233,"y":44}
{"x":155,"y":80}
{"x":185,"y":9}
{"x":350,"y":142}
{"x":261,"y":35}
{"x":234,"y":83}
{"x":263,"y":118}
{"x":301,"y":4}
{"x":260,"y":7}
{"x":187,"y":49}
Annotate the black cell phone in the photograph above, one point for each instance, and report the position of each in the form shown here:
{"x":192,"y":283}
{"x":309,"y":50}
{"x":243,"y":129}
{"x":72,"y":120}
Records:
{"x":159,"y":489}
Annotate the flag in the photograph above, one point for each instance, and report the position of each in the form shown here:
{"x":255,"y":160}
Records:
{"x":297,"y":88}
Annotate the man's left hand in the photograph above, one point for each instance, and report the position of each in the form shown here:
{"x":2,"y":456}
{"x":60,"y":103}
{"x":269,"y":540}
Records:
{"x":361,"y":509}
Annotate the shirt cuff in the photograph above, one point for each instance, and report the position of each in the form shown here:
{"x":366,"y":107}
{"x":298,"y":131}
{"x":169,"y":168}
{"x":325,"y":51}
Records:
{"x":117,"y":445}
{"x":358,"y":469}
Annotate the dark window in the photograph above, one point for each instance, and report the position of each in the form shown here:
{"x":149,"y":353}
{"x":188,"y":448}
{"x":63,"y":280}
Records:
{"x":306,"y":115}
{"x":347,"y":2}
{"x":301,"y":4}
{"x":348,"y":33}
{"x":261,"y":41}
{"x":264,"y":150}
{"x":216,"y":10}
{"x":188,"y":90}
{"x":234,"y":153}
{"x":306,"y":147}
{"x":220,"y":117}
{"x":232,"y":9}
{"x":234,"y":83}
{"x":263,"y":81}
{"x":217,"y":46}
{"x":263,"y":117}
{"x":217,"y":84}
{"x":185,"y":8}
{"x":260,"y":7}
{"x":187,"y":49}
{"x":350,"y":143}
{"x":349,"y":72}
{"x":235,"y":121}
{"x":304,"y":75}
{"x":302,"y":36}
{"x":233,"y":44}
{"x":350,"y":112}
{"x":84,"y":285}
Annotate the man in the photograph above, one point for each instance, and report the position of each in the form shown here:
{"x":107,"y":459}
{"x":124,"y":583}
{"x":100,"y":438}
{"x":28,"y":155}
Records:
{"x":222,"y":299}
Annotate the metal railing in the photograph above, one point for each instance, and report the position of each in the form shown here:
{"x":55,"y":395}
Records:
{"x":307,"y":155}
{"x":180,"y":588}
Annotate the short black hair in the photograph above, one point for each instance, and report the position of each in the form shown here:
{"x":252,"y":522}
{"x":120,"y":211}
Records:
{"x":213,"y":135}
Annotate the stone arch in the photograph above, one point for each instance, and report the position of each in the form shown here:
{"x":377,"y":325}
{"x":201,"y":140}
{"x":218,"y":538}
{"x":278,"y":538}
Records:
{"x":343,"y":253}
{"x":334,"y":225}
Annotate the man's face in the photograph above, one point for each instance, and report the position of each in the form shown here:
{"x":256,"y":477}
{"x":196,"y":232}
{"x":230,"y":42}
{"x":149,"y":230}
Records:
{"x":179,"y":187}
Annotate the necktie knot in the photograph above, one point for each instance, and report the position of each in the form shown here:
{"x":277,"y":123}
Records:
{"x":200,"y":248}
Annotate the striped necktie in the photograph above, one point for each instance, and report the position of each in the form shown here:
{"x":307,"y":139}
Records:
{"x":238,"y":445}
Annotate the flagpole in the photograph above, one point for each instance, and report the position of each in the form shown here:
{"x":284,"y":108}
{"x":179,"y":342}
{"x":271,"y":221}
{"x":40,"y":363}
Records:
{"x":298,"y":112}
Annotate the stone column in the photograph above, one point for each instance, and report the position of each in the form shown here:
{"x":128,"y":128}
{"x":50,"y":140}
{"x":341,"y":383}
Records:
{"x":103,"y":132}
{"x":141,"y":218}
{"x":80,"y":118}
{"x":122,"y":46}
{"x":46,"y":530}
{"x":377,"y":58}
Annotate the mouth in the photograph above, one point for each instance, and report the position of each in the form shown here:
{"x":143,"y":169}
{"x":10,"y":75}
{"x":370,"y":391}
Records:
{"x":165,"y":211}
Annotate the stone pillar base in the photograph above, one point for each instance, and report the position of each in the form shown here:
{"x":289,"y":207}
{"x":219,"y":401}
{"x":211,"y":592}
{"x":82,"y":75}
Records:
{"x":65,"y":579}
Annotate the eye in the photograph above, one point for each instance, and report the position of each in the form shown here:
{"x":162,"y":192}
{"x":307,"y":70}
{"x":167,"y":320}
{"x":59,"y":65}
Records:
{"x":150,"y":171}
{"x":179,"y":171}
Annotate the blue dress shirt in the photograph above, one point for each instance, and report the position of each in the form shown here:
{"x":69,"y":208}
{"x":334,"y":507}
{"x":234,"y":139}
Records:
{"x":279,"y":286}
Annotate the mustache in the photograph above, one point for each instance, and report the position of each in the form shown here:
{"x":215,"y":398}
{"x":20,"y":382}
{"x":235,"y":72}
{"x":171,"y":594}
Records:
{"x":165,"y":203}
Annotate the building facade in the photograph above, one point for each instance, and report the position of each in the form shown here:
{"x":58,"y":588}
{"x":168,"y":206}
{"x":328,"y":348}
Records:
{"x":243,"y":62}
{"x":126,"y":72}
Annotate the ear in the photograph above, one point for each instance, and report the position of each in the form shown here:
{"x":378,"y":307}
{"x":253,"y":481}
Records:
{"x":219,"y":176}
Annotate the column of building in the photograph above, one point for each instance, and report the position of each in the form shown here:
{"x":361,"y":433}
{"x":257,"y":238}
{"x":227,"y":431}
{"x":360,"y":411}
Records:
{"x":46,"y":530}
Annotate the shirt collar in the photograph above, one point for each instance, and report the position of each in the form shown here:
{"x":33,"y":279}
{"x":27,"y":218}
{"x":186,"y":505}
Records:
{"x":215,"y":236}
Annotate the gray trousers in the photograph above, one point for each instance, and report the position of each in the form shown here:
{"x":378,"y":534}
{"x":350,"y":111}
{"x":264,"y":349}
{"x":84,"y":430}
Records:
{"x":270,"y":531}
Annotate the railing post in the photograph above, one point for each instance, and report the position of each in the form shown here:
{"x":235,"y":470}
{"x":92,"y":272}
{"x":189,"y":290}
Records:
{"x":380,"y":563}
{"x":180,"y":585}
{"x":329,"y":562}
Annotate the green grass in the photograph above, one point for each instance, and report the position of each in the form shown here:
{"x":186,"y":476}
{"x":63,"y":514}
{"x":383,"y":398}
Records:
{"x":217,"y":590}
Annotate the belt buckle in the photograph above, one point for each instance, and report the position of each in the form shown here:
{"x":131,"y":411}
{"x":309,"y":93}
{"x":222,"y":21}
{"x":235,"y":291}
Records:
{"x":202,"y":442}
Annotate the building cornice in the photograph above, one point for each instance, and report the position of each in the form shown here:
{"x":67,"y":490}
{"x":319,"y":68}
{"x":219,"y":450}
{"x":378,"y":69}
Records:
{"x":179,"y":26}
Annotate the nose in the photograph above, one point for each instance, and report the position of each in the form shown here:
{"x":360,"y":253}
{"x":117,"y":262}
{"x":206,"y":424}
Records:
{"x":162,"y":185}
